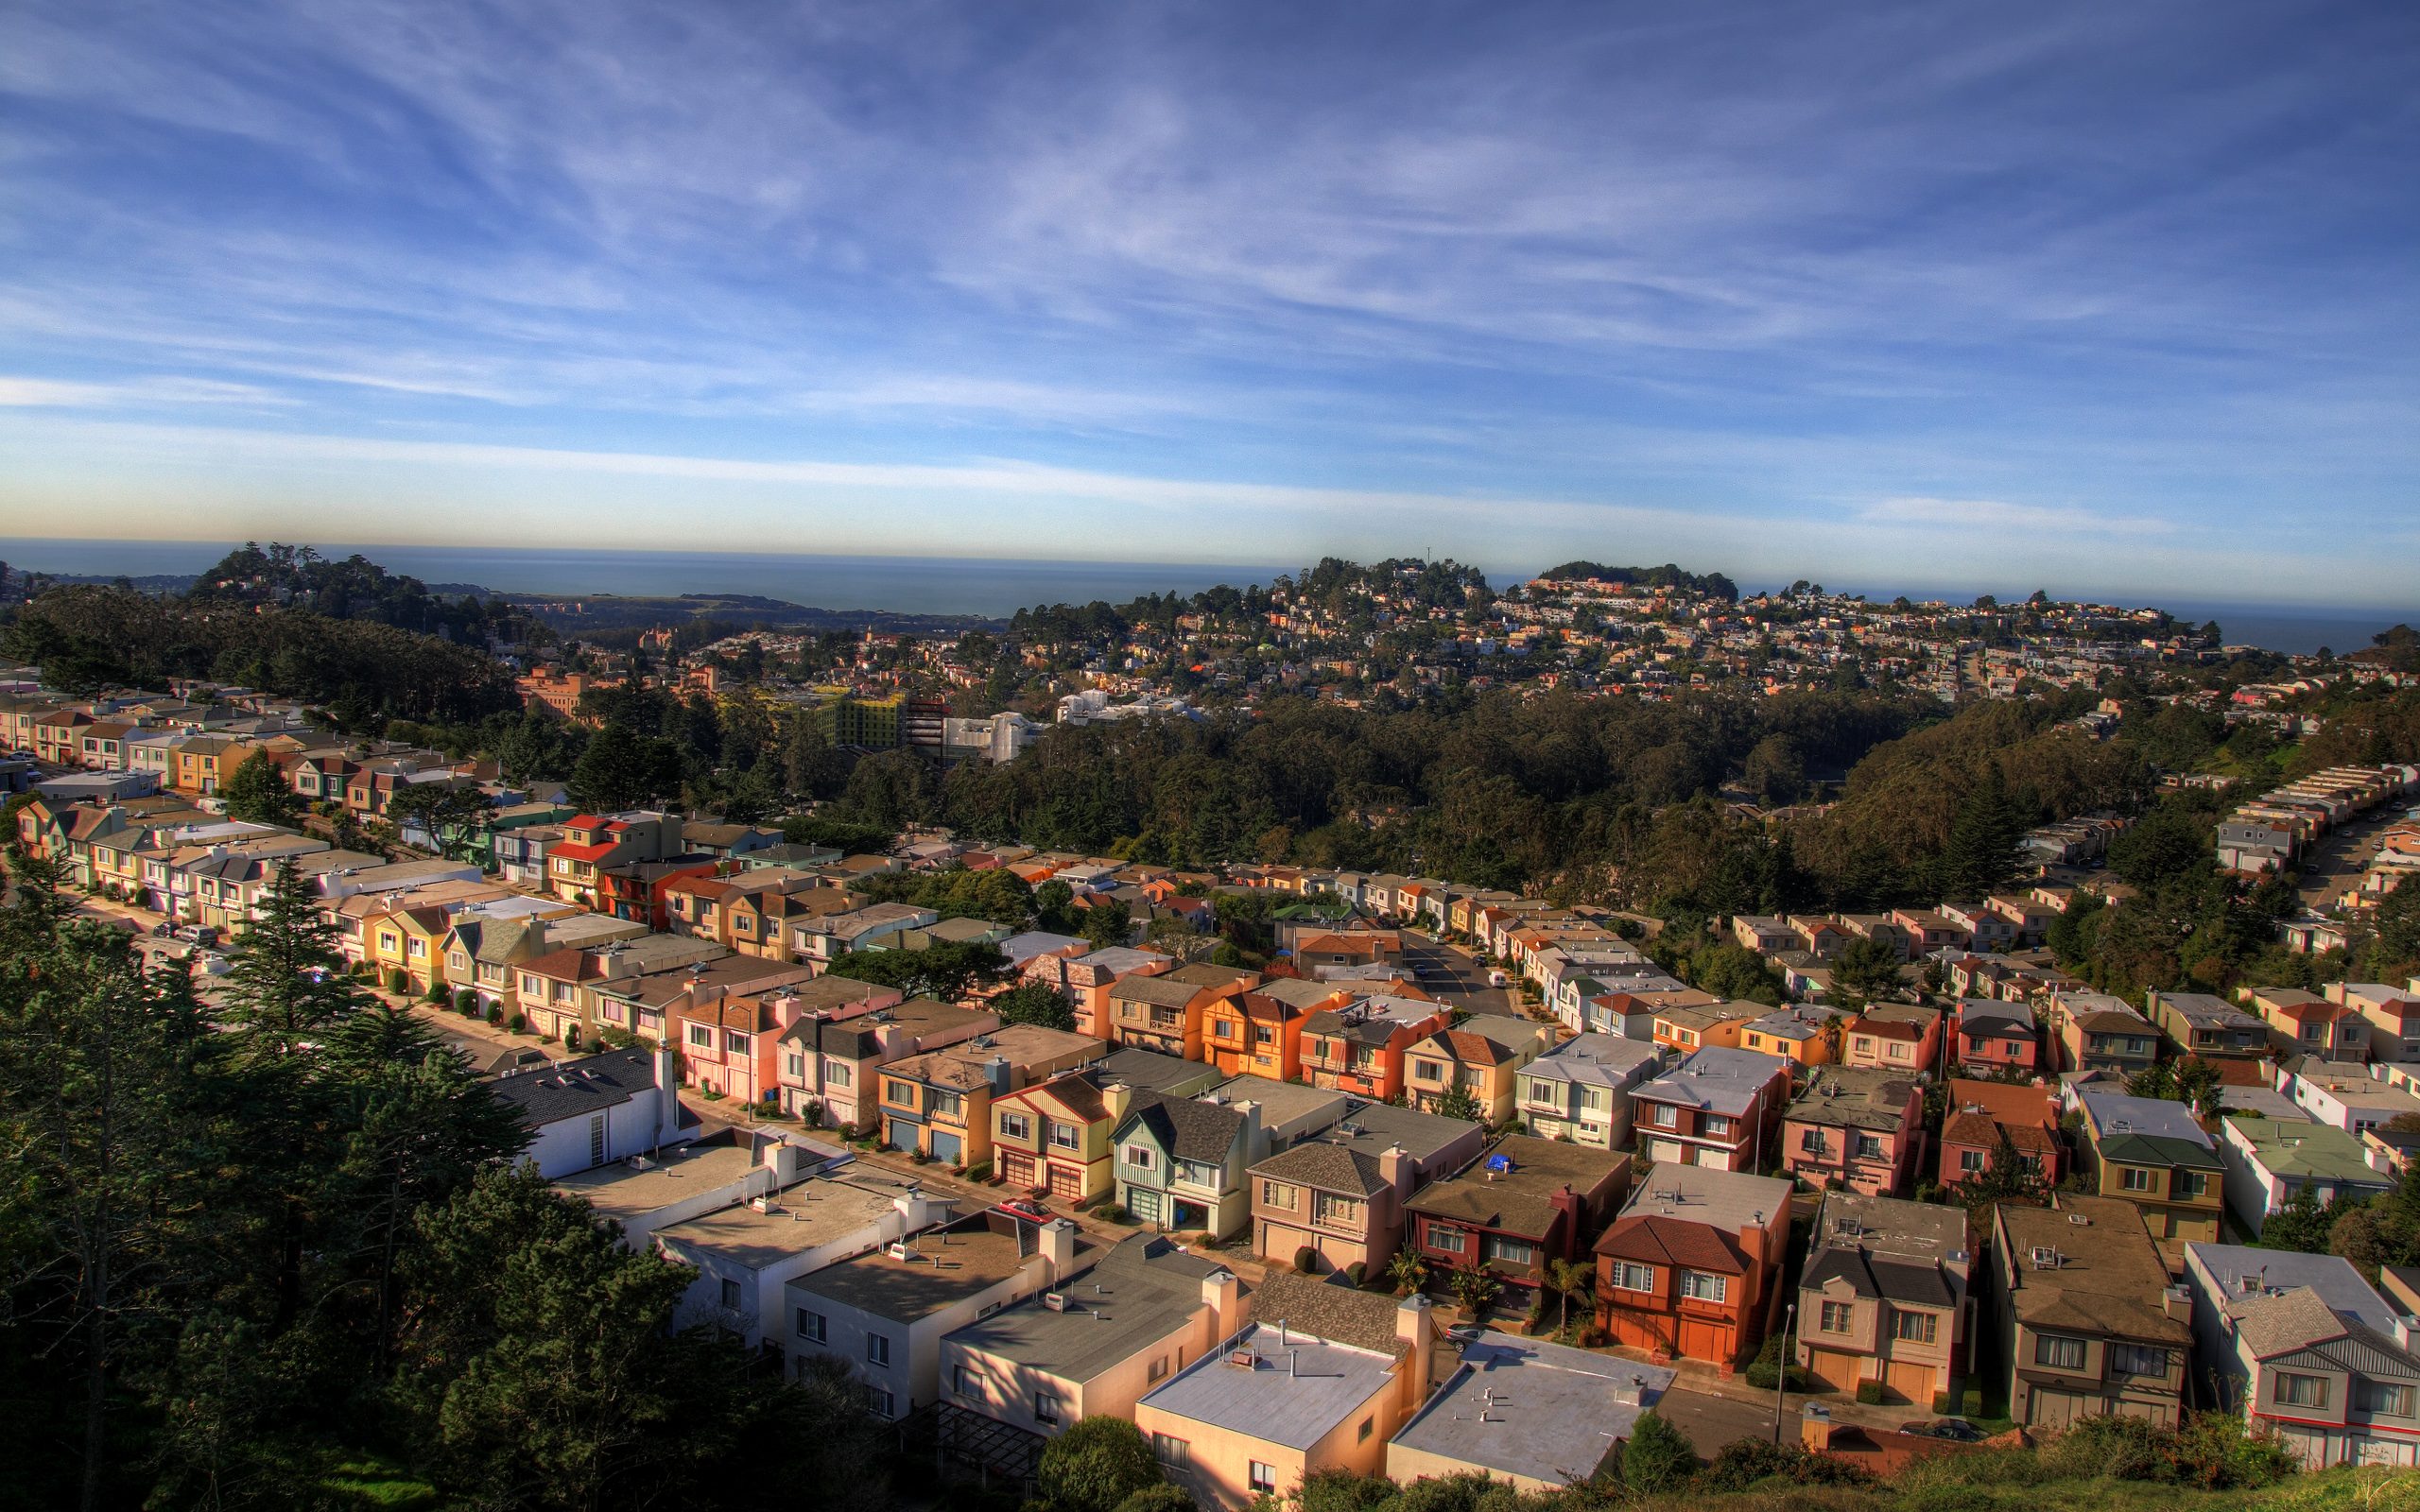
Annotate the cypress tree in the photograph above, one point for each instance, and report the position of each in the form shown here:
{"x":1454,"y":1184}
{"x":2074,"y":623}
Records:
{"x":1981,"y":855}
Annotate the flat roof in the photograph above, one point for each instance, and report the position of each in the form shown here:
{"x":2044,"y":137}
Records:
{"x":1731,"y":1200}
{"x":1279,"y":1102}
{"x":1144,"y":1289}
{"x":812,"y":1213}
{"x":946,"y":1267}
{"x":1541,"y":1411}
{"x":2319,"y":1151}
{"x":673,"y":1174}
{"x":1295,"y":1391}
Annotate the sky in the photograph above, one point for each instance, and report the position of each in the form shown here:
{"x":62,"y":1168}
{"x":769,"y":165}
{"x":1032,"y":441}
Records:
{"x":2115,"y":300}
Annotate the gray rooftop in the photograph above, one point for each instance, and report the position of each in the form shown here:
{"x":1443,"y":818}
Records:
{"x":1149,"y":1071}
{"x":1536,"y":1410}
{"x":1296,"y":1390}
{"x":947,"y":1266}
{"x":1281,"y":1102}
{"x":1715,"y":1079}
{"x":1729,"y":1200}
{"x":1599,"y":1060}
{"x":1142,"y":1289}
{"x":1891,"y":1226}
{"x":805,"y":1216}
{"x":2239,"y":1270}
{"x":674,"y":1175}
{"x":1020,"y":949}
{"x":2105,"y":1115}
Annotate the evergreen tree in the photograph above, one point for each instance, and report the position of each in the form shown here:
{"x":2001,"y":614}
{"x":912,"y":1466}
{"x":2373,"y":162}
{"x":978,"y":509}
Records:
{"x":1035,"y":1004}
{"x":1658,"y":1458}
{"x":1108,"y":923}
{"x":1981,"y":857}
{"x":1097,"y":1463}
{"x":257,"y":793}
{"x":288,"y":983}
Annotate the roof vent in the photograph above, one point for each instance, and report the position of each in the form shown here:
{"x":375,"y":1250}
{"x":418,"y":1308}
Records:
{"x":2079,"y":1220}
{"x":2045,"y":1258}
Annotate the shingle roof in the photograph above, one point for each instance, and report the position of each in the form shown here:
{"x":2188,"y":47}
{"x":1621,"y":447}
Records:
{"x":1187,"y":1129}
{"x":577,"y":1088}
{"x":1329,"y":1310}
{"x":1329,"y":1167}
{"x":1660,"y":1241}
{"x":1157,"y":990}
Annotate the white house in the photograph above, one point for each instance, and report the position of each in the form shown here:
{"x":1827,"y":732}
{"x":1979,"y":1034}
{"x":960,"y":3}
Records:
{"x":2302,"y":1345}
{"x":746,"y":1254}
{"x":585,"y":1114}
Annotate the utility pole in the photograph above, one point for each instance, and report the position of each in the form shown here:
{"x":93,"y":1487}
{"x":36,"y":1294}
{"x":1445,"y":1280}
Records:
{"x":1781,"y":1382}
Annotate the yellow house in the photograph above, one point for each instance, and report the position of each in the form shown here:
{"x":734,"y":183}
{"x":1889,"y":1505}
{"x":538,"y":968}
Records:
{"x":205,"y":761}
{"x":1056,"y":1136}
{"x":2150,"y":1152}
{"x":1481,"y":1056}
{"x":1796,"y":1034}
{"x":1321,"y":1379}
{"x":411,"y":940}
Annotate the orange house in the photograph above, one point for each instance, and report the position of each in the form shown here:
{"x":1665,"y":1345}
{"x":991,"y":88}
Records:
{"x":1260,"y":1033}
{"x":1359,"y":1048}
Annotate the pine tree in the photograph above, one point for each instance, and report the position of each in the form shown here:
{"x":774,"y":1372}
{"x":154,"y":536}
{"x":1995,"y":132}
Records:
{"x":1981,"y":857}
{"x":288,"y":983}
{"x":257,"y":793}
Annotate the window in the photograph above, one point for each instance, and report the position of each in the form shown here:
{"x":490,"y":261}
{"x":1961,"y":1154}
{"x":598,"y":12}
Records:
{"x":1263,"y":1035}
{"x":835,"y":1073}
{"x":1173,"y":1452}
{"x":2058,"y":1353}
{"x":1869,"y":1147}
{"x":1016,"y":1126}
{"x":2383,"y":1397}
{"x":1714,"y":1127}
{"x":1066,"y":1136}
{"x":1200,"y":1173}
{"x":1865,"y":1043}
{"x":961,"y":1380}
{"x":1592,"y":1099}
{"x":1364,"y":1057}
{"x":796,"y":1066}
{"x":1667,"y":1116}
{"x":1631,"y":1278}
{"x":458,"y":961}
{"x":1837,"y":1317}
{"x":1898,"y":1051}
{"x":596,"y":1139}
{"x":701,"y":1037}
{"x":2301,"y":1391}
{"x":878,"y":1350}
{"x":1336,"y":1210}
{"x":1916,"y":1327}
{"x":1442,"y":1237}
{"x":1141,"y":1156}
{"x":1159,"y":1368}
{"x":1226,"y":1028}
{"x":1704,"y":1288}
{"x":900,"y":1092}
{"x":1970,"y":1160}
{"x":2136,"y":1360}
{"x":1511,"y":1251}
{"x":810,"y":1326}
{"x":884,"y":1404}
{"x":1812,"y":1141}
{"x":1427,"y":1070}
{"x":1045,"y":1407}
{"x":1361,"y":1435}
{"x":730,"y":1293}
{"x":2134,"y":1179}
{"x":2193,"y":1183}
{"x":949,"y":1104}
{"x":735,"y":1042}
{"x":1262,"y":1478}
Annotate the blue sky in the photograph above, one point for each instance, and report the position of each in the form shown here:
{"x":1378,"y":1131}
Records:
{"x":2107,"y":298}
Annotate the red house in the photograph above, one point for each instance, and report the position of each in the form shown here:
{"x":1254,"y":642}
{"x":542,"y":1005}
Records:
{"x":1980,"y":1113}
{"x":1692,"y":1267}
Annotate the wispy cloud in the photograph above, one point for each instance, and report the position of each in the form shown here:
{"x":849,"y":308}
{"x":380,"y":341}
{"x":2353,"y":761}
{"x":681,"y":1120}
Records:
{"x":1988,"y":514}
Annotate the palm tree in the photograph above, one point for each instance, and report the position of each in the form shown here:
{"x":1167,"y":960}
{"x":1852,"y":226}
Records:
{"x":1570,"y":1278}
{"x":1407,"y":1271}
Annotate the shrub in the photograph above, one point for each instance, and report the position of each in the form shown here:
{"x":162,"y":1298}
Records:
{"x":466,"y":1003}
{"x":436,"y":992}
{"x":1110,"y":1213}
{"x":518,"y":1023}
{"x":1306,"y":1260}
{"x":1159,"y":1499}
{"x":1338,"y":1490}
{"x":1744,"y":1462}
{"x":1869,"y":1393}
{"x":1357,"y":1272}
{"x":397,"y":982}
{"x":1658,"y":1458}
{"x":1097,"y":1464}
{"x":571,"y":1036}
{"x":496,"y":1013}
{"x":1764,"y":1371}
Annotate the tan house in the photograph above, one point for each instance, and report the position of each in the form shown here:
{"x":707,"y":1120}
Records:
{"x":1882,"y":1297}
{"x":1341,"y":1195}
{"x":2091,"y":1325}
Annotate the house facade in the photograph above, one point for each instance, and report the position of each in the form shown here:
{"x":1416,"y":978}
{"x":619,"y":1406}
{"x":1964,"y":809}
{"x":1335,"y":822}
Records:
{"x":1720,"y":1108}
{"x":2088,"y":1322}
{"x":1692,"y":1267}
{"x":1882,"y":1297}
{"x":1523,"y":1203}
{"x":1859,"y":1126}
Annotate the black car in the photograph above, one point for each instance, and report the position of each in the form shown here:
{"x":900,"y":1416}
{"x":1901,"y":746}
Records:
{"x":1956,"y":1430}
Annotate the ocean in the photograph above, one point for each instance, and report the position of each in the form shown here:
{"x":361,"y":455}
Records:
{"x":958,"y":585}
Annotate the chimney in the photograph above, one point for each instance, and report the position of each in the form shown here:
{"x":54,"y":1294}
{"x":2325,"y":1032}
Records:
{"x":786,"y":1008}
{"x":2405,"y":1329}
{"x":1219,"y":1294}
{"x":667,"y":1097}
{"x":1395,"y":1169}
{"x":1116,"y":1098}
{"x":1567,"y":1202}
{"x":1057,"y":1249}
{"x":784,"y":1161}
{"x":996,"y":1071}
{"x":2177,"y":1303}
{"x":1417,"y":1328}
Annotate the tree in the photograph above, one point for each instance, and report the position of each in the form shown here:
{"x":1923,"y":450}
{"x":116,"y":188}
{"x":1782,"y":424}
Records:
{"x":2356,"y":1236}
{"x":2396,"y":923}
{"x":1658,"y":1458}
{"x":1981,"y":857}
{"x":451,"y":813}
{"x":1407,"y":1271}
{"x":620,"y":770}
{"x":1458,"y":1103}
{"x":1035,"y":1004}
{"x":2304,"y":1222}
{"x":289,"y":981}
{"x":1097,"y":1463}
{"x":2012,"y":1176}
{"x":811,"y":766}
{"x":1475,"y":1287}
{"x":1339,"y":1490}
{"x":257,"y":793}
{"x":1868,"y":968}
{"x":1570,"y":1278}
{"x":948,"y":971}
{"x":1108,"y":923}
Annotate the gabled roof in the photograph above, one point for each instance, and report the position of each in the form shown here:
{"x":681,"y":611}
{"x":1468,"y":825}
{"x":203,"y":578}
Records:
{"x":1656,"y":1239}
{"x":1156,"y":990}
{"x":1187,"y":1129}
{"x":1328,"y":1167}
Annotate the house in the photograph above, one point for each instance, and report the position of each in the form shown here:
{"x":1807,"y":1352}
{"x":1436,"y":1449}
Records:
{"x":2152,"y":1154}
{"x":2305,"y":1347}
{"x":681,"y":1181}
{"x":485,"y":946}
{"x":1986,"y":928}
{"x":2267,"y":1161}
{"x":940,"y":1102}
{"x":1860,"y":1125}
{"x":1819,"y":937}
{"x":728,"y":1017}
{"x":727,"y":842}
{"x":1930,"y":930}
{"x":1802,"y":1034}
{"x":558,"y":991}
{"x":1341,"y":1193}
{"x":2206,"y":1027}
{"x":1158,"y":1013}
{"x":1689,"y":1027}
{"x":746,"y":1254}
{"x":2028,"y":915}
{"x":1538,"y":1415}
{"x":1185,"y":1164}
{"x":1581,"y":1089}
{"x":1717,"y":1107}
{"x":2343,"y":1097}
{"x":1259,"y":1032}
{"x":1893,"y":1037}
{"x":593,"y":844}
{"x":2089,"y":1325}
{"x":829,"y":1060}
{"x":2303,"y":1023}
{"x":1882,"y":1297}
{"x":1359,"y":1048}
{"x":1883,"y":928}
{"x":1085,"y":980}
{"x":582,"y":1115}
{"x":1054,"y":1138}
{"x":1522,"y":1204}
{"x":2113,"y":1039}
{"x":824,"y":937}
{"x":1765,"y":936}
{"x":1984,"y":1116}
{"x":1320,"y":1378}
{"x":1144,"y":1311}
{"x":1692,"y":1268}
{"x":1358,"y":947}
{"x":2393,"y":1015}
{"x":1480,"y":1057}
{"x":1993,"y":1035}
{"x":888,"y":1311}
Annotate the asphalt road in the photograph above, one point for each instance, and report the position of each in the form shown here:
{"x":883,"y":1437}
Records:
{"x":2335,"y":867}
{"x":1713,"y":1421}
{"x":1450,"y":975}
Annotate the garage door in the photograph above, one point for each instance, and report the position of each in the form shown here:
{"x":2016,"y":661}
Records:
{"x":1830,"y":1371}
{"x":1701,"y":1340}
{"x":1635,"y":1331}
{"x":1664,"y":1152}
{"x":1908,"y":1380}
{"x":1017,"y":1170}
{"x":2054,"y":1409}
{"x":902,"y":1133}
{"x":947,"y":1148}
{"x":1066,"y":1181}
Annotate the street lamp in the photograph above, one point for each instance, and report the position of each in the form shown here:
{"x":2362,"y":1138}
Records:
{"x":1781,"y":1382}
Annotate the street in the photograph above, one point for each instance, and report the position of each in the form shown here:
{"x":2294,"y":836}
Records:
{"x":2335,"y":867}
{"x":1451,"y":974}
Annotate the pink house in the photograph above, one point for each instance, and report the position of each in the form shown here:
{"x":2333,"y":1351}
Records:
{"x":1986,"y":928}
{"x":1898,"y":1036}
{"x":1861,"y":1128}
{"x":1993,"y":1035}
